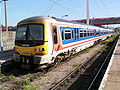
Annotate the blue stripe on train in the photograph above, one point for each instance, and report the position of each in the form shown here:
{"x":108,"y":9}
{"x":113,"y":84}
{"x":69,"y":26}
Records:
{"x":73,"y":37}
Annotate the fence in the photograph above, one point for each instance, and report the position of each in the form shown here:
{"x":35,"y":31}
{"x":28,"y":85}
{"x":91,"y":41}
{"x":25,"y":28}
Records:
{"x":7,"y":39}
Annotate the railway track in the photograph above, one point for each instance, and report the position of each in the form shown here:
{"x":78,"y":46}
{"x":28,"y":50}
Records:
{"x":101,"y":71}
{"x":88,"y":75}
{"x":74,"y":74}
{"x":19,"y":75}
{"x":66,"y":82}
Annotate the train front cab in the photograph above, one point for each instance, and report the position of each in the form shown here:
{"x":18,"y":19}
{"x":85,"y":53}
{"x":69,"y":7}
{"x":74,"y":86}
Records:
{"x":35,"y":47}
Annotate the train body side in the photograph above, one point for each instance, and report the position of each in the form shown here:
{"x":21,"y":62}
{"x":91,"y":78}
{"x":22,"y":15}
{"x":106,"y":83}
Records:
{"x":60,"y":38}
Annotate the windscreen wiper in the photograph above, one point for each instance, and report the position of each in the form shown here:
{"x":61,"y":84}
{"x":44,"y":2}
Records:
{"x":23,"y":37}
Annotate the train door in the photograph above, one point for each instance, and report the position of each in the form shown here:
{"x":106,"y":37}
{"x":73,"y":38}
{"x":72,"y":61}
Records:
{"x":76,"y":33}
{"x":55,"y":38}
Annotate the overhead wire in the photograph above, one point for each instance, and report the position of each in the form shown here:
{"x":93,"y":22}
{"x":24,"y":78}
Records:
{"x":79,"y":7}
{"x":48,"y":8}
{"x":106,"y":13}
{"x":51,"y":6}
{"x":101,"y":7}
{"x":65,"y":8}
{"x":54,"y":2}
{"x":106,"y":7}
{"x":76,"y":4}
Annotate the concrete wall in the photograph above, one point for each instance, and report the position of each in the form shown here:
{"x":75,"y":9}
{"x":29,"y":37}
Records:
{"x":8,"y":39}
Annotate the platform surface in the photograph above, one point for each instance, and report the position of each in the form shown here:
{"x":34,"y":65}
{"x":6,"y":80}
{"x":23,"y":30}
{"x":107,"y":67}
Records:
{"x":111,"y":80}
{"x":6,"y":55}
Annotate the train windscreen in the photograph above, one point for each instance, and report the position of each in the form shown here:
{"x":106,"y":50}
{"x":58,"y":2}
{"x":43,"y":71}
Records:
{"x":32,"y":34}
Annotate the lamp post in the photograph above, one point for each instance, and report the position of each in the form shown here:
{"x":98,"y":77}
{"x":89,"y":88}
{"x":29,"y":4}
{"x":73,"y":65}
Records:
{"x":5,"y":11}
{"x":1,"y":42}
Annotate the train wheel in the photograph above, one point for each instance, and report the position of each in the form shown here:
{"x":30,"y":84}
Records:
{"x":56,"y":62}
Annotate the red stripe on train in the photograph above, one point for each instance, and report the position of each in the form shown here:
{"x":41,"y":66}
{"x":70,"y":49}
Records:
{"x":81,"y":42}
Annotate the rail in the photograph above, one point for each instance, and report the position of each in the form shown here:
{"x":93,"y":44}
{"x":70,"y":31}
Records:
{"x":83,"y":65}
{"x":108,"y":56}
{"x":72,"y":74}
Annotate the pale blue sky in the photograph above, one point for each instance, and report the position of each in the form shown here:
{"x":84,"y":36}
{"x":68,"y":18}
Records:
{"x":76,"y":9}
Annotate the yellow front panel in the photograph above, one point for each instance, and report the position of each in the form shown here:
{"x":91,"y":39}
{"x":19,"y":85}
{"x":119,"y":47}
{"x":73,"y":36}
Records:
{"x":29,"y":51}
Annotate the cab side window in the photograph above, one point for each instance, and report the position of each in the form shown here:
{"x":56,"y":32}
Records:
{"x":55,"y":34}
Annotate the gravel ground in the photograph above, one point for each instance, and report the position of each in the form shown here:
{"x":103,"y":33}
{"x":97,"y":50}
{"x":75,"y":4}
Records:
{"x":49,"y":79}
{"x":46,"y":81}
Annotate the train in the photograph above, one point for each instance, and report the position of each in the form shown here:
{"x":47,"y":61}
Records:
{"x":42,"y":41}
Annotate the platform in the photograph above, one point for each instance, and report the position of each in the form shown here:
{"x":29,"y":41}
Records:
{"x":6,"y":55}
{"x":111,"y":79}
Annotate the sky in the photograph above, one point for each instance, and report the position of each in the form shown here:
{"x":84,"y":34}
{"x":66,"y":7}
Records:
{"x":18,"y":10}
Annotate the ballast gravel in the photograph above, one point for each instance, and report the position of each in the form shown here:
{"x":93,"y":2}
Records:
{"x":49,"y":79}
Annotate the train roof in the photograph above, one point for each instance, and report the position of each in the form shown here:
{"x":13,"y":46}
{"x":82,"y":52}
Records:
{"x":43,"y":18}
{"x":34,"y":19}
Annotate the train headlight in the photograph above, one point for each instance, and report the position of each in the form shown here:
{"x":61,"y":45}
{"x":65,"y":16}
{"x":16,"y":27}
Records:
{"x":38,"y":50}
{"x":16,"y":49}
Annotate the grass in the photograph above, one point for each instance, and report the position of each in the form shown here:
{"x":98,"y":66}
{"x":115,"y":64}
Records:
{"x":10,"y":78}
{"x":29,"y":87}
{"x":76,"y":65}
{"x":32,"y":86}
{"x":101,"y":50}
{"x":110,"y":39}
{"x":1,"y":75}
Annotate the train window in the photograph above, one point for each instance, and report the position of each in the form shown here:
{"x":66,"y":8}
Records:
{"x":94,"y":32}
{"x":68,"y":34}
{"x":97,"y":33}
{"x":91,"y":33}
{"x":76,"y":33}
{"x":85,"y":33}
{"x":62,"y":35}
{"x":55,"y":34}
{"x":81,"y":33}
{"x":72,"y":33}
{"x":35,"y":32}
{"x":88,"y":33}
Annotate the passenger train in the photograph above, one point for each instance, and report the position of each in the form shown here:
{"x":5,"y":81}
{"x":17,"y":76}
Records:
{"x":41,"y":41}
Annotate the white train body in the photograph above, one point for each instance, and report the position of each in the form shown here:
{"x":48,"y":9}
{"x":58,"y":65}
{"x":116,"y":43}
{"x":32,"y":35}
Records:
{"x":46,"y":39}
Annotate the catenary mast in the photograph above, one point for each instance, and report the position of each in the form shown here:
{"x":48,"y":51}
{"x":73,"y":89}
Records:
{"x":87,"y":10}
